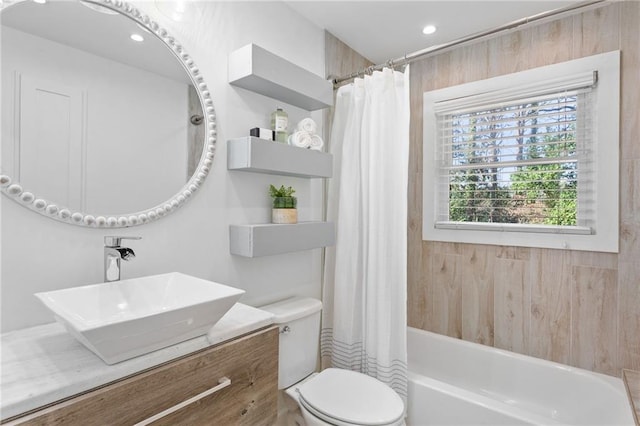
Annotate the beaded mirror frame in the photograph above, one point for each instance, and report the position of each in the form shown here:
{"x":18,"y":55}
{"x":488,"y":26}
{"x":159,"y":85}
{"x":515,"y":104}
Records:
{"x":28,"y":199}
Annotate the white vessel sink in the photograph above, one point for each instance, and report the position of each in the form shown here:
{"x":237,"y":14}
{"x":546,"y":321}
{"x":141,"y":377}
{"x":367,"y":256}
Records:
{"x":125,"y":319}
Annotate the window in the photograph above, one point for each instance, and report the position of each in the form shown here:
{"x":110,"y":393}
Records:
{"x":526,"y":159}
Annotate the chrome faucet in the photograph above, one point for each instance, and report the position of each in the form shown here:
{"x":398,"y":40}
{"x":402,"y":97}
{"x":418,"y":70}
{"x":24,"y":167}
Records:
{"x":113,"y":254}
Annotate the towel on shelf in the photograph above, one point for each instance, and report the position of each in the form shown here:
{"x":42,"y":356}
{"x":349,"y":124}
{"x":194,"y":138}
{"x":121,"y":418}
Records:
{"x":316,"y":142}
{"x":307,"y":125}
{"x":301,"y":139}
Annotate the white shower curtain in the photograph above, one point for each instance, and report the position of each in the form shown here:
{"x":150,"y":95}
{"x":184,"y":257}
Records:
{"x":365,"y":277}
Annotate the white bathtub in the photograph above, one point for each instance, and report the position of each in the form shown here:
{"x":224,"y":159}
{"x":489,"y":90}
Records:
{"x":453,"y":382}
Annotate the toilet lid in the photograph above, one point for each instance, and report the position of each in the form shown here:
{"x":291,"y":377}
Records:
{"x":351,"y":397}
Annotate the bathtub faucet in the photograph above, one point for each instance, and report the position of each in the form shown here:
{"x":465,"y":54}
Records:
{"x":114,"y":253}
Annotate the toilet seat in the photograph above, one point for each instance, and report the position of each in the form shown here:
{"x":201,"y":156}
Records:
{"x":345,"y":398}
{"x":328,"y":419}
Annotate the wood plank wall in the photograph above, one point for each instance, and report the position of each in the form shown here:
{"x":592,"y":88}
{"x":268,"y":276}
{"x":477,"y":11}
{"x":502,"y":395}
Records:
{"x":340,"y":60}
{"x":577,"y":308}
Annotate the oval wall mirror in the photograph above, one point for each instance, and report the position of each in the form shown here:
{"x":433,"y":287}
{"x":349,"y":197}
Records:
{"x":106,"y":120}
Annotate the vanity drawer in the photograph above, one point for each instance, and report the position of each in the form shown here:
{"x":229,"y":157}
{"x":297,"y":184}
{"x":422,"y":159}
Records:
{"x":250,"y":363}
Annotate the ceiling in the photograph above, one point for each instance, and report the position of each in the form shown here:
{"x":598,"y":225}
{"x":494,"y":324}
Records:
{"x":379,"y":30}
{"x":383,"y":30}
{"x":105,"y":35}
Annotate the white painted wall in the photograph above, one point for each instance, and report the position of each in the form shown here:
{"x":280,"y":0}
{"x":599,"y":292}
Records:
{"x":39,"y":254}
{"x":132,"y":121}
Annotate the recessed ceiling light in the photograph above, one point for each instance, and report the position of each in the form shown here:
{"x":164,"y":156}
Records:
{"x":137,"y":37}
{"x":40,"y":1}
{"x":429,"y":29}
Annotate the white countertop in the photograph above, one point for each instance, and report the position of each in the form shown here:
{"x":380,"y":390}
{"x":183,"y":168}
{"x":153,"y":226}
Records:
{"x":44,"y":364}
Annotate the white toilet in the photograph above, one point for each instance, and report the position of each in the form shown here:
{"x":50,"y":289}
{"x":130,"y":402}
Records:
{"x":334,"y":396}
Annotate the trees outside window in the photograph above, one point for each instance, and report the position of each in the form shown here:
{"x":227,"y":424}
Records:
{"x":515,"y":163}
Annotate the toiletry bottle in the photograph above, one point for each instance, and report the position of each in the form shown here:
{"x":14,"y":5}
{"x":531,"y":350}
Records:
{"x":279,"y":123}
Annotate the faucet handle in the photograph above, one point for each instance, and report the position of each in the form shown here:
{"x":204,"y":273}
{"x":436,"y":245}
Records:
{"x":112,"y":241}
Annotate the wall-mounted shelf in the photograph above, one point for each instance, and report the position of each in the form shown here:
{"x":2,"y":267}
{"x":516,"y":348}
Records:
{"x":254,"y":68}
{"x":269,"y":239}
{"x":251,"y":154}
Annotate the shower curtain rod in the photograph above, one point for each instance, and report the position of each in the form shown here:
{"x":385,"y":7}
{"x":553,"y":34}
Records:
{"x":420,"y":54}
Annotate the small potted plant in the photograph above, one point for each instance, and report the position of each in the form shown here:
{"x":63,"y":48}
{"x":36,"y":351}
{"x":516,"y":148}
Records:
{"x":284,"y":205}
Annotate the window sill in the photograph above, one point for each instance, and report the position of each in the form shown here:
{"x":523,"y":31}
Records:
{"x":522,"y":237}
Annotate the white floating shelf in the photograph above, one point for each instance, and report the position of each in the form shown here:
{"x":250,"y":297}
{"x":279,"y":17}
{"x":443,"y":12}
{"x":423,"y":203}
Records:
{"x":252,"y":154}
{"x":269,"y":239}
{"x":254,"y":68}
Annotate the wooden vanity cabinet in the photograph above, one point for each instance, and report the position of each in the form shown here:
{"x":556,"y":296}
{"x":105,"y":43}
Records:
{"x":249,"y":362}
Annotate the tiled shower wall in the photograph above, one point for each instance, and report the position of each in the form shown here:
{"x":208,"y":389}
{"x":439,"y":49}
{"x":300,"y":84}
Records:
{"x":577,"y":308}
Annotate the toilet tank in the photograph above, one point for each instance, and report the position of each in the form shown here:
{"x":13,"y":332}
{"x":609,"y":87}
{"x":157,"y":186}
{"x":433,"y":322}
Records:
{"x":299,"y":321}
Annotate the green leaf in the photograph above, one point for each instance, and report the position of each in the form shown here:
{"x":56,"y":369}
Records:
{"x":281,"y":192}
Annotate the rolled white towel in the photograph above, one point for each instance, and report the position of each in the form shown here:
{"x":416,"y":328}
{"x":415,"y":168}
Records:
{"x":307,"y":125}
{"x":316,"y":142}
{"x":300,"y":139}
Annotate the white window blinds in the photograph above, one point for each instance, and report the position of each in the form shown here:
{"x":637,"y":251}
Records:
{"x":518,"y":159}
{"x":526,"y":159}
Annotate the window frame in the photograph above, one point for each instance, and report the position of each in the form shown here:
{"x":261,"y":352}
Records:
{"x":606,"y":110}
